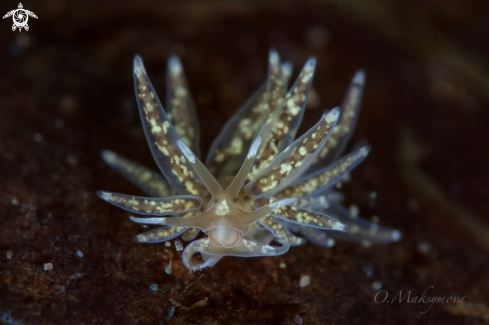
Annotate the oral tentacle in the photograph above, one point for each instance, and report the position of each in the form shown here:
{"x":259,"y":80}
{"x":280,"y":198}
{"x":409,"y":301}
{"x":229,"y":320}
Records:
{"x":235,"y":186}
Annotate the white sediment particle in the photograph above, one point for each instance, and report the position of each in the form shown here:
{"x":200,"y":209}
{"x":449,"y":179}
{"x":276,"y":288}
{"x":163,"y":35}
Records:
{"x":9,"y":254}
{"x":354,"y":211}
{"x":48,"y":266}
{"x":168,"y":268}
{"x":153,"y":287}
{"x":178,"y":245}
{"x":368,"y":269}
{"x":366,"y":243}
{"x":283,"y":265}
{"x":396,"y":235}
{"x":168,"y":244}
{"x":304,"y":281}
{"x":37,"y":137}
{"x":170,"y":313}
{"x":330,"y":242}
{"x":298,"y":320}
{"x":424,"y":247}
{"x":79,"y":253}
{"x":377,"y":285}
{"x":373,"y":195}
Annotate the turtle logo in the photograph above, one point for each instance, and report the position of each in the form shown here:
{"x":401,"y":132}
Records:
{"x":20,"y":16}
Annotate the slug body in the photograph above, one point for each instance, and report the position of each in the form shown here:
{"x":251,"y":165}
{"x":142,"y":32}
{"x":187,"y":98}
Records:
{"x":259,"y":184}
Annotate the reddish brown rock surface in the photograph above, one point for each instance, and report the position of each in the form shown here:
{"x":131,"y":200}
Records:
{"x":66,"y":93}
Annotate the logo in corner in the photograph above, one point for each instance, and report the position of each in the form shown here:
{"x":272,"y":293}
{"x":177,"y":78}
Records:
{"x":20,"y":17}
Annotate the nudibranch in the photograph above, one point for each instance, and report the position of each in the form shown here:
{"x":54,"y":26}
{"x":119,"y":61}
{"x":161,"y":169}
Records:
{"x":260,"y":186}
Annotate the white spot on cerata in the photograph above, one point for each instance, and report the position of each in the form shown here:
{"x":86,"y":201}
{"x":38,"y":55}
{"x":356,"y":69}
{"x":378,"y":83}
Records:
{"x":274,"y":58}
{"x":175,"y":66}
{"x":106,"y":196}
{"x":359,"y":78}
{"x":222,"y":209}
{"x":285,"y":168}
{"x":339,"y":226}
{"x":364,"y":151}
{"x":333,"y":115}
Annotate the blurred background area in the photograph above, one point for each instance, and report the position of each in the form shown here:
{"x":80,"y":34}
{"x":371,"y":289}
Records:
{"x":66,"y":93}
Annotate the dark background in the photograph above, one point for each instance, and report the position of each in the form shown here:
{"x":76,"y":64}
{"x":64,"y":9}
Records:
{"x":66,"y":93}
